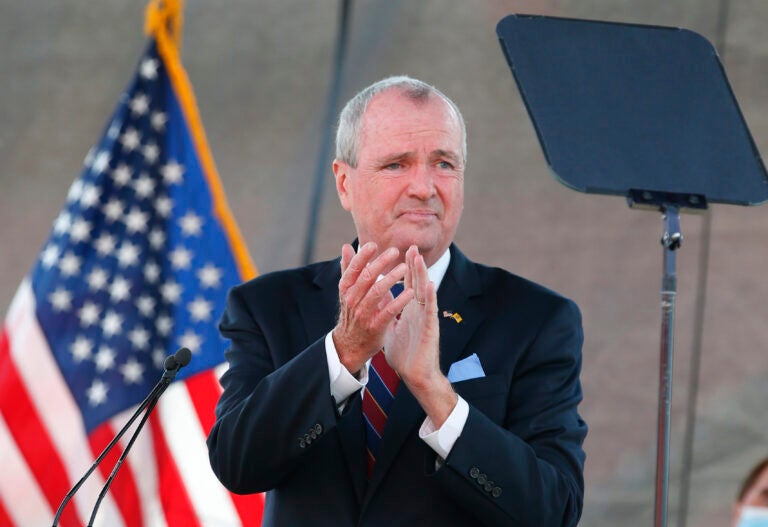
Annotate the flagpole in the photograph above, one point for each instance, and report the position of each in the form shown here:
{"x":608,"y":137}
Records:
{"x":163,"y":22}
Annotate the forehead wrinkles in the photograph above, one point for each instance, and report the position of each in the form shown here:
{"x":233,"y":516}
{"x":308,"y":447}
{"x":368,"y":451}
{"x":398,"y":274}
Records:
{"x":387,"y":121}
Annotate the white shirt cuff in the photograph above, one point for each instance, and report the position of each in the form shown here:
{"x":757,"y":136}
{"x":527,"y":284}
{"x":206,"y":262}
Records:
{"x":343,"y":383}
{"x":443,"y":439}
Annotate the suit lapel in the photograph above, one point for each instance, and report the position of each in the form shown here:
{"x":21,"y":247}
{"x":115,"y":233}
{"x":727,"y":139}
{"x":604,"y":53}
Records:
{"x":459,"y":285}
{"x":318,"y":312}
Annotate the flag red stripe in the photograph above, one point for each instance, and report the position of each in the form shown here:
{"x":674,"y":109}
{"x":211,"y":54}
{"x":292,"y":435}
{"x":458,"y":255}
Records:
{"x":204,"y":390}
{"x":177,"y":506}
{"x":123,"y":490}
{"x":5,"y":518}
{"x":31,"y":436}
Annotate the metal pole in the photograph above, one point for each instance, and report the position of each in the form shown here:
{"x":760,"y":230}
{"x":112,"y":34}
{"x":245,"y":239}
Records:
{"x":672,"y":239}
{"x":698,"y":325}
{"x":321,"y":167}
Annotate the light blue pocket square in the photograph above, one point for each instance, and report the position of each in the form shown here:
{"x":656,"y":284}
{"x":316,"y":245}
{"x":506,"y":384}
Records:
{"x":465,"y":369}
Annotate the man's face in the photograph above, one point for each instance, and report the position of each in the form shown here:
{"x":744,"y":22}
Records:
{"x":408,"y":186}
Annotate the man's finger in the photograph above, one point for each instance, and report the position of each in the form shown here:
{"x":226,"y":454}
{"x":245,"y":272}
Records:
{"x":367,"y":276}
{"x":356,"y":265}
{"x":347,"y":253}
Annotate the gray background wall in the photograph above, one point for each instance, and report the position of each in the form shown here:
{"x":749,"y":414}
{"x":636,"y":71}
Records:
{"x":261,"y":71}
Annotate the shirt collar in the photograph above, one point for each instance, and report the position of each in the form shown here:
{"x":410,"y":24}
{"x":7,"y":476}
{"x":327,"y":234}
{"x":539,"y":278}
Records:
{"x":438,"y":269}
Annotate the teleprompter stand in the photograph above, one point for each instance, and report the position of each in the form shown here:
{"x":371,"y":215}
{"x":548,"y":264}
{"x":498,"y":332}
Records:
{"x":642,"y":112}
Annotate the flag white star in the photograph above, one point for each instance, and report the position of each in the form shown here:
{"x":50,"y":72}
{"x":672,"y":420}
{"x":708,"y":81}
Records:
{"x":69,"y":264}
{"x":132,"y":371}
{"x":101,"y":162}
{"x":151,"y":152}
{"x":200,"y":310}
{"x":120,"y":289}
{"x":114,"y":129}
{"x":172,"y":172}
{"x":113,"y":210}
{"x":191,"y":224}
{"x":190,"y":340}
{"x":146,"y":305}
{"x":81,"y":349}
{"x":171,"y":292}
{"x":148,"y":69}
{"x":158,"y":358}
{"x":62,"y":223}
{"x":104,"y":359}
{"x":130,"y":139}
{"x":121,"y":175}
{"x":112,"y":324}
{"x":180,"y":258}
{"x":209,"y":276}
{"x":61,"y":299}
{"x":156,"y":238}
{"x":90,"y":197}
{"x":164,"y":206}
{"x":136,"y":221}
{"x":97,"y":393}
{"x":75,"y":191}
{"x":158,"y":120}
{"x":89,"y":314}
{"x":164,"y":325}
{"x":50,"y":256}
{"x":128,"y":254}
{"x":139,"y":337}
{"x":139,"y":104}
{"x":80,"y":231}
{"x":105,"y":244}
{"x":151,"y":272}
{"x":97,"y":279}
{"x":144,"y":186}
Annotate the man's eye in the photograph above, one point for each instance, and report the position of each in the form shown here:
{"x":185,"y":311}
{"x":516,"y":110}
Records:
{"x":445,"y":165}
{"x":393,"y":166}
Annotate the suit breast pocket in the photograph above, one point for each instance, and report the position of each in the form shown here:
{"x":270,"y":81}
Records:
{"x":487,"y":394}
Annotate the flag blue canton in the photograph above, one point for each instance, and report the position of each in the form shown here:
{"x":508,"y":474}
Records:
{"x":137,"y":264}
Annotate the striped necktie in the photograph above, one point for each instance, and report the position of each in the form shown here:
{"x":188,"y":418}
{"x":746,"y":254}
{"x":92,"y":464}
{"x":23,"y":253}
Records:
{"x":377,"y":399}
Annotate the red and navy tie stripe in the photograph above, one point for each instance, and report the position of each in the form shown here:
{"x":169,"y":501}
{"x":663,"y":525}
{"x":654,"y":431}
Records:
{"x":379,"y":393}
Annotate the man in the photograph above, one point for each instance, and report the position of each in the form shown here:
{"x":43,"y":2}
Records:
{"x":751,"y":506}
{"x":482,"y":427}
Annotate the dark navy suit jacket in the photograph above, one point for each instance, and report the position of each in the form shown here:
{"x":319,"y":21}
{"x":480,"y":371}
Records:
{"x":518,"y":461}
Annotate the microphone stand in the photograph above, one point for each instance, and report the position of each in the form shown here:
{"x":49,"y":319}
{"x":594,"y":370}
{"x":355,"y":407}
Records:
{"x":172,"y":366}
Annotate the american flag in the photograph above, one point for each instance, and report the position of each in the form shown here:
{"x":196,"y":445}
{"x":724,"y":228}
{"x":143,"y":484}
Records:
{"x":137,"y":265}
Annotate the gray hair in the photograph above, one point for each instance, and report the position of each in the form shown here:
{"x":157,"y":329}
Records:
{"x":351,"y":116}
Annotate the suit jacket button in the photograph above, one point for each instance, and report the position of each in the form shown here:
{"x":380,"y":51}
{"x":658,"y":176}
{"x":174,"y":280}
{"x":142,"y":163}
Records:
{"x":302,"y":443}
{"x":318,"y":429}
{"x":474,"y":472}
{"x":488,"y":486}
{"x":313,"y":435}
{"x":481,"y":479}
{"x":496,"y":492}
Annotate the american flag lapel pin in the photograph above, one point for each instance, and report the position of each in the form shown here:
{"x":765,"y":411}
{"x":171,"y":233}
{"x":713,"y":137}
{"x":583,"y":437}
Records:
{"x":452,"y":314}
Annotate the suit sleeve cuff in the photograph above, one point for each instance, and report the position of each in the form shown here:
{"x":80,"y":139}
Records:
{"x":441,"y":440}
{"x":343,"y":383}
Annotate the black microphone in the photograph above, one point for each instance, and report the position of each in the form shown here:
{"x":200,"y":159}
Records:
{"x":173,"y":363}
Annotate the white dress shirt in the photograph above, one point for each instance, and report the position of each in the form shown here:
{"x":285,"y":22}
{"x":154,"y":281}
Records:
{"x":344,"y":384}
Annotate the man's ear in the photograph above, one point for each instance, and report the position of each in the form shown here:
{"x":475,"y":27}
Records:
{"x":341,"y":172}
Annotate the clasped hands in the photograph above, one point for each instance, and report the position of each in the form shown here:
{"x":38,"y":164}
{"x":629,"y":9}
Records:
{"x":407,"y":327}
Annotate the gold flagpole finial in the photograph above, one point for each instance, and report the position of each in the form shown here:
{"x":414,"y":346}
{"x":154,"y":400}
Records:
{"x":164,"y":16}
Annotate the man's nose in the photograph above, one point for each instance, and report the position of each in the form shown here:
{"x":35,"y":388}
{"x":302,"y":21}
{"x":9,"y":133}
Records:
{"x":422,"y":182}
